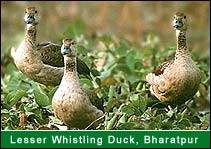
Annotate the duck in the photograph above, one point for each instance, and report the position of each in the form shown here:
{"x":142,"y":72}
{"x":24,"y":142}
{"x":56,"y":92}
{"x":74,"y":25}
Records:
{"x":177,"y":80}
{"x":75,"y":106}
{"x":41,"y":62}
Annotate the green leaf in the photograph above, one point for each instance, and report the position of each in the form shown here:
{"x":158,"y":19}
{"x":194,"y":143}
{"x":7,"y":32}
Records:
{"x":127,"y":109}
{"x":4,"y":111}
{"x":185,"y":122}
{"x":123,"y":118}
{"x":129,"y":126}
{"x":132,"y":78}
{"x":87,"y":60}
{"x":122,"y":50}
{"x":170,"y":113}
{"x":142,"y":103}
{"x":123,"y":67}
{"x":113,"y":121}
{"x":8,"y":128}
{"x":106,"y":38}
{"x":205,"y":118}
{"x":137,"y":105}
{"x":41,"y":98}
{"x":10,"y":69}
{"x":110,"y":97}
{"x":29,"y":113}
{"x":51,"y":92}
{"x":82,"y":50}
{"x":56,"y":120}
{"x":130,"y":60}
{"x":86,"y":83}
{"x":95,"y":72}
{"x":16,"y":97}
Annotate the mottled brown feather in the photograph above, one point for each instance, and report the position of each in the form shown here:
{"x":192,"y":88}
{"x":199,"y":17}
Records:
{"x":160,"y":69}
{"x":95,"y":100}
{"x":51,"y":55}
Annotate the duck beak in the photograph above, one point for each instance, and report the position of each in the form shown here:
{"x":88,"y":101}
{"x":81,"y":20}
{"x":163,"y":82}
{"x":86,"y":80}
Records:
{"x":65,"y":50}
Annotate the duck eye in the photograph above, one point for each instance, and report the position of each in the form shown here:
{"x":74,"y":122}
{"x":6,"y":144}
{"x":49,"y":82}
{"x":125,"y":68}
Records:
{"x":35,"y":11}
{"x":184,"y":17}
{"x":72,"y":43}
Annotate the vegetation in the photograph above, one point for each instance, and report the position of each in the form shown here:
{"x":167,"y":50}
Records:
{"x":121,"y":42}
{"x":118,"y":70}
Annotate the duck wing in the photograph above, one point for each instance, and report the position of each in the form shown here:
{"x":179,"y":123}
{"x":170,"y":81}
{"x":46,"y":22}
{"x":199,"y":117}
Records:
{"x":160,"y":69}
{"x":51,"y":55}
{"x":94,"y":99}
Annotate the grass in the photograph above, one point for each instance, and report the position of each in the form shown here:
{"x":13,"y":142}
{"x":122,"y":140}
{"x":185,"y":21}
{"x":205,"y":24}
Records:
{"x":118,"y":68}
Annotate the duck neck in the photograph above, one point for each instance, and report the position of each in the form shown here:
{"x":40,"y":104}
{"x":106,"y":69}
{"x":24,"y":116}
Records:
{"x":70,"y":67}
{"x":30,"y":36}
{"x":181,"y":43}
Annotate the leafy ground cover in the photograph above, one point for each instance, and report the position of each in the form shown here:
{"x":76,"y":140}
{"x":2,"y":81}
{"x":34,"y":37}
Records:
{"x":118,"y":69}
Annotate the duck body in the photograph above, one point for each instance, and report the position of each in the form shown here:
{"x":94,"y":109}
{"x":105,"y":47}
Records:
{"x":178,"y":83}
{"x":28,"y":61}
{"x":42,"y":62}
{"x":72,"y":104}
{"x":178,"y":80}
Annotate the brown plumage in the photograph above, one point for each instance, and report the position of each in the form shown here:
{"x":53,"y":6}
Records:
{"x":42,"y":62}
{"x":51,"y":55}
{"x":72,"y":104}
{"x":176,"y":81}
{"x":160,"y":69}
